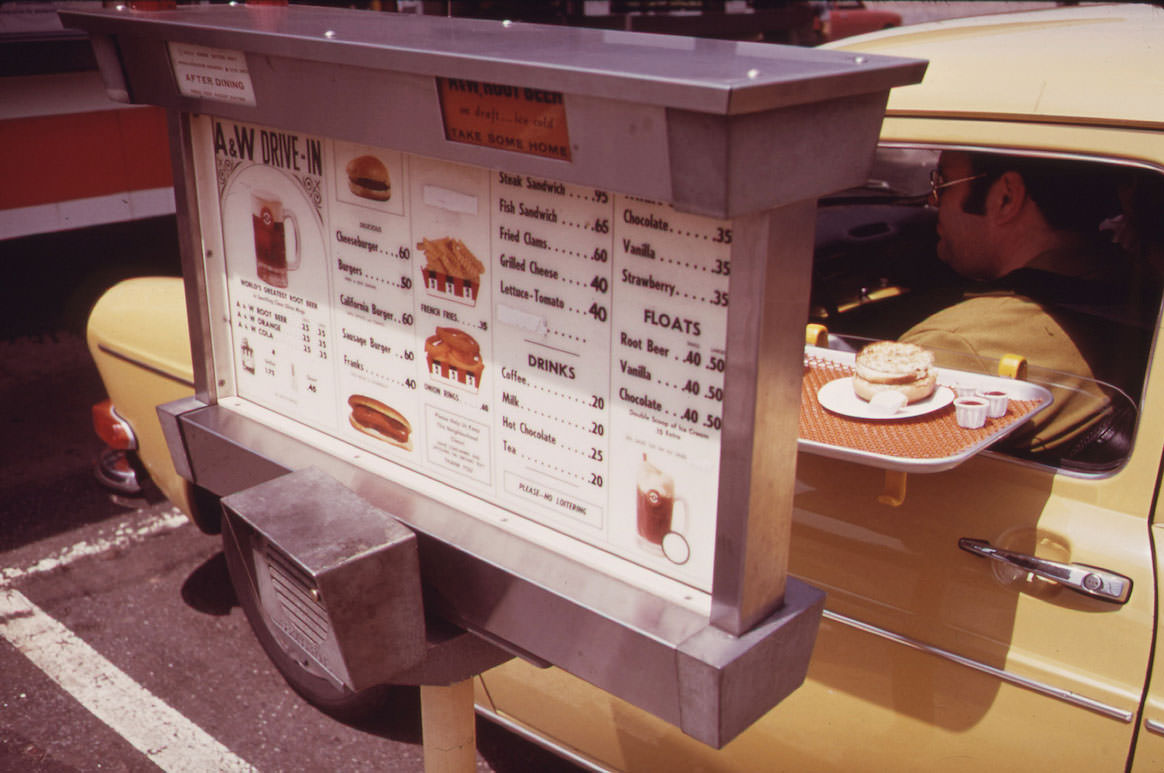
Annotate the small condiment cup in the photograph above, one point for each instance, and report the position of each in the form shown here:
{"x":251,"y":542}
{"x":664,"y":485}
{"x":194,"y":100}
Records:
{"x":970,"y":412}
{"x":996,"y":401}
{"x":962,"y":389}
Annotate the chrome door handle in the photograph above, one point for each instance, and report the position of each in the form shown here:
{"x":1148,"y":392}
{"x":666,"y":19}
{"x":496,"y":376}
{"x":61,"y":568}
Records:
{"x":1081,"y":578}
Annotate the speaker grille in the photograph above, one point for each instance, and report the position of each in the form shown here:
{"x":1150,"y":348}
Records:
{"x":303,"y":616}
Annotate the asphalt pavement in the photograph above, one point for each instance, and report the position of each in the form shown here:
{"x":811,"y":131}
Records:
{"x":122,"y":647}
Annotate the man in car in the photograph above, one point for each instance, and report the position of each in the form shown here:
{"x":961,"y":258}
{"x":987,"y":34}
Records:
{"x":1048,"y":287}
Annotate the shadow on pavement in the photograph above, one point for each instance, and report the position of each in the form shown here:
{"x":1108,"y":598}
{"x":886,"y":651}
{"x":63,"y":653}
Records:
{"x":48,"y":382}
{"x":208,"y":589}
{"x":48,"y":385}
{"x":396,"y":712}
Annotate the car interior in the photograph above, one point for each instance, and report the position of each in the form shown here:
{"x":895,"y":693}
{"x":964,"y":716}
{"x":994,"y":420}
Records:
{"x":876,"y":273}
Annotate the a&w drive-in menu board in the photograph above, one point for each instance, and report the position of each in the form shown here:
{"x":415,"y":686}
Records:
{"x":554,"y":350}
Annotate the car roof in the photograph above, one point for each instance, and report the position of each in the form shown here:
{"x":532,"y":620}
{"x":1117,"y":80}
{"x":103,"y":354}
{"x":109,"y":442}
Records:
{"x":1079,"y":65}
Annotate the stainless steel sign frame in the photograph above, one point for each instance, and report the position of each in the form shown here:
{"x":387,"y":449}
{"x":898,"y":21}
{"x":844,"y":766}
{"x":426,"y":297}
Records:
{"x":537,"y":150}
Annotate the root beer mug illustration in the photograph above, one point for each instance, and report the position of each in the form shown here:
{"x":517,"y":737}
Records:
{"x":269,"y":219}
{"x":655,"y":503}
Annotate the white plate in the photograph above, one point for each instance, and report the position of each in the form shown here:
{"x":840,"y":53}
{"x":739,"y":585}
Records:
{"x":838,"y":396}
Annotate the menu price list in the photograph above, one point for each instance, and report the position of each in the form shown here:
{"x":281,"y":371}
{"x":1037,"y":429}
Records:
{"x":667,"y":378}
{"x":552,"y":243}
{"x":556,"y":350}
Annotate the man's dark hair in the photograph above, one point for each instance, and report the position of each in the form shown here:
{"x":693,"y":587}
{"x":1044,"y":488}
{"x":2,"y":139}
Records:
{"x":1145,"y":191}
{"x":1071,"y":195}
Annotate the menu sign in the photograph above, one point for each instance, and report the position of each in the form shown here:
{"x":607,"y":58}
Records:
{"x":516,"y":118}
{"x":555,"y":350}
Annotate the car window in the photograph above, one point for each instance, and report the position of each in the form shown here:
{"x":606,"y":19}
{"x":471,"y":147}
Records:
{"x":1081,"y":308}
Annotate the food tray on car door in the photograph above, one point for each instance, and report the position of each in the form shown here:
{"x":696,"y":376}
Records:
{"x":928,"y":443}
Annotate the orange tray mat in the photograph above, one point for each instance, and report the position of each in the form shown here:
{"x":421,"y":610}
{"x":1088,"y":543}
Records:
{"x":933,"y":436}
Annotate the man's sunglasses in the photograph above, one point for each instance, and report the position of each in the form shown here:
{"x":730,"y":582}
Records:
{"x":939,"y":183}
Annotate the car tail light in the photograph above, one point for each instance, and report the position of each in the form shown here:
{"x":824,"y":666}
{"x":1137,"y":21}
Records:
{"x":111,"y":428}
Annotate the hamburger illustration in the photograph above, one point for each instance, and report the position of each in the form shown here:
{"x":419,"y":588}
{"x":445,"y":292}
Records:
{"x":368,"y":178}
{"x":892,"y":366}
{"x":374,"y":418}
{"x":451,"y":270}
{"x":454,"y":355}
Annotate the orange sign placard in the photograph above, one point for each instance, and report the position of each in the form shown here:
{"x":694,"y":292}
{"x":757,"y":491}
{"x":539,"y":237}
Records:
{"x":517,"y":118}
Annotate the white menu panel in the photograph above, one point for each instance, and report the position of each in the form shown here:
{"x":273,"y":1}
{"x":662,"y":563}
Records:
{"x":556,"y":351}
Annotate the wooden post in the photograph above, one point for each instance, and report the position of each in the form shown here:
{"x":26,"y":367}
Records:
{"x":448,"y":725}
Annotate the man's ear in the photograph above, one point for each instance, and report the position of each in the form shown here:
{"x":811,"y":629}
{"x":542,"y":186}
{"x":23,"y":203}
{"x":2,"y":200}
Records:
{"x":1007,"y":197}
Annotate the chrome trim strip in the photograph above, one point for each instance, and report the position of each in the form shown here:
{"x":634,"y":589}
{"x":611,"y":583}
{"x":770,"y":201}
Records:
{"x":1067,"y":121}
{"x":1006,"y":676}
{"x":546,"y":743}
{"x":145,"y":366}
{"x":1015,"y":150}
{"x":1154,"y":726}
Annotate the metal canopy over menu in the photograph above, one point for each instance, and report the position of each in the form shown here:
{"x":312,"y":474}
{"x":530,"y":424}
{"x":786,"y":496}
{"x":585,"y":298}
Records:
{"x":556,"y":350}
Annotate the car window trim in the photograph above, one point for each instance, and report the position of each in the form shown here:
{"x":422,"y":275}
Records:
{"x":1064,"y":155}
{"x":1081,"y":122}
{"x":1026,"y":152}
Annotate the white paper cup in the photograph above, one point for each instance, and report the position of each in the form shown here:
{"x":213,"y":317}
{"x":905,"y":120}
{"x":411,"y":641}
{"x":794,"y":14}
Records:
{"x":970,"y":412}
{"x":962,"y":389}
{"x":996,"y":401}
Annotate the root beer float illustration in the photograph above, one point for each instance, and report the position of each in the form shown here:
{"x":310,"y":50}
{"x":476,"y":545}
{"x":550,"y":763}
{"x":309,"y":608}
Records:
{"x":655,"y":502}
{"x":451,"y":270}
{"x":455,"y":355}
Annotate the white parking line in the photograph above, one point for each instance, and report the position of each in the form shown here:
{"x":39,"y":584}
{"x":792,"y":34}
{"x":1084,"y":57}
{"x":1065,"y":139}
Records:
{"x":154,"y":728}
{"x":158,"y":731}
{"x":126,"y":532}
